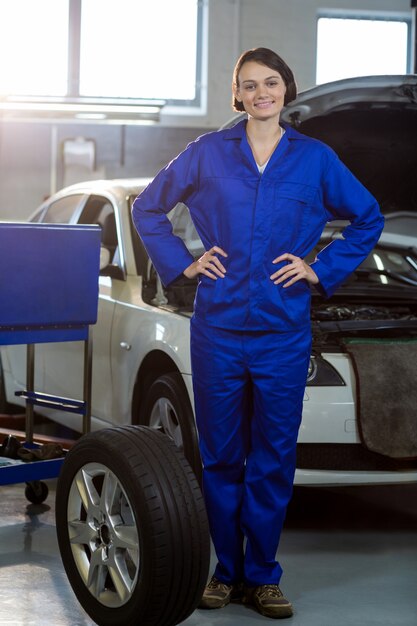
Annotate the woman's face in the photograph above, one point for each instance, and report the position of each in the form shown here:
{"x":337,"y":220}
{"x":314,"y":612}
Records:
{"x":261,"y":90}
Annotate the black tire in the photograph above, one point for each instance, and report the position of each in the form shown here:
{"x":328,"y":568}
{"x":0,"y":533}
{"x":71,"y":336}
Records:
{"x":166,"y":407}
{"x":132,"y":528}
{"x":36,"y":491}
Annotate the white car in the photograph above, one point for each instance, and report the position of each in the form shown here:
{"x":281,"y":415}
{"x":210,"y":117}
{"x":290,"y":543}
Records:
{"x":141,"y":363}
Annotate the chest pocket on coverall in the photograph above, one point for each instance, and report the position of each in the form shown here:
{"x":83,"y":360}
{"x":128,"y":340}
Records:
{"x":290,"y":227}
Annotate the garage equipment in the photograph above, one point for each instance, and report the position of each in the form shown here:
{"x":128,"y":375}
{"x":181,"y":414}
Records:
{"x":48,"y":293}
{"x":131,"y":523}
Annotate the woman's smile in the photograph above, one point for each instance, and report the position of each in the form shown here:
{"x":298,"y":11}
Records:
{"x":264,"y":105}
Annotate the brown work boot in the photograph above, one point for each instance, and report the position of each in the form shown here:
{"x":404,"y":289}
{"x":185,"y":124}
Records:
{"x":268,"y":600}
{"x":217,"y":594}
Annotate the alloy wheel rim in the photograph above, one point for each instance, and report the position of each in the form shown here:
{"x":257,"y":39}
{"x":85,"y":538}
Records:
{"x":103,"y":535}
{"x":164,"y":418}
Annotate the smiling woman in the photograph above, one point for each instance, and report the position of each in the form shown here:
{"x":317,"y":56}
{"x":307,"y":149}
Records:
{"x":26,"y":45}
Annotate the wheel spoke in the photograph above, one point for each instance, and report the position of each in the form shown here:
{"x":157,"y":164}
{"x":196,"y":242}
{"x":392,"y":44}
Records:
{"x":88,"y":493}
{"x":164,"y":417}
{"x":173,"y":430}
{"x":121,"y":579}
{"x":126,"y":537}
{"x":81,"y":532}
{"x":97,"y":573}
{"x":110,"y":494}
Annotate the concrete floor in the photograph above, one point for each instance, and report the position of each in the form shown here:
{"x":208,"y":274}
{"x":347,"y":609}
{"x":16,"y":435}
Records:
{"x":349,"y":558}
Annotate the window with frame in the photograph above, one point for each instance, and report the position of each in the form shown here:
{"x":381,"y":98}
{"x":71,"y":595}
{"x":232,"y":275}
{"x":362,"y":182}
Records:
{"x":34,"y":53}
{"x":102,"y":50}
{"x":62,"y":210}
{"x":362,"y":44}
{"x":135,"y":51}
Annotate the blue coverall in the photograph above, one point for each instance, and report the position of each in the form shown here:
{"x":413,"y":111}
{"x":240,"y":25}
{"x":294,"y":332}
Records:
{"x":250,"y":338}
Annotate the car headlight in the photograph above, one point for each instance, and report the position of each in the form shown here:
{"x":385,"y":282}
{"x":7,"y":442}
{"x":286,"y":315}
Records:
{"x":322,"y":374}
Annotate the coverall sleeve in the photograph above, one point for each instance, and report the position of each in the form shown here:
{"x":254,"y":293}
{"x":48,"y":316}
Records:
{"x":175,"y":183}
{"x":345,"y":198}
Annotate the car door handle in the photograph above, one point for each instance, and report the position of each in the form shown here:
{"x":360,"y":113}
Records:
{"x":125,"y":345}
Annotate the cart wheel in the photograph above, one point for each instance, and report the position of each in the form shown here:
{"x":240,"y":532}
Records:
{"x":36,"y":491}
{"x":132,"y":528}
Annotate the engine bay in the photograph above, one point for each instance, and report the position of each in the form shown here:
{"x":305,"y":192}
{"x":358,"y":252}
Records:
{"x":336,"y":312}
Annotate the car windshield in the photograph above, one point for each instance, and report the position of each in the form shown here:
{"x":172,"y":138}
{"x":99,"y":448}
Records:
{"x":384,"y":266}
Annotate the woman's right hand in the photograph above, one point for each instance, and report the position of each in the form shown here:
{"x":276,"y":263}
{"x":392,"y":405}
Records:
{"x":208,"y":264}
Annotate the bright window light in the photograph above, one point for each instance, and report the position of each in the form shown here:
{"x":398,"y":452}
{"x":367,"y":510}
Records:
{"x":349,"y":47}
{"x":139,"y":49}
{"x":33,"y":47}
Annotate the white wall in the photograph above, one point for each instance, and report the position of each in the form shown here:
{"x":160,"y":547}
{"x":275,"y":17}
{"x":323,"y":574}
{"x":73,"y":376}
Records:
{"x":31,"y":153}
{"x":286,"y":26}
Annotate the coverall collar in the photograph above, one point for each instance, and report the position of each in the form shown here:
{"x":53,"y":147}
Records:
{"x":238,"y":132}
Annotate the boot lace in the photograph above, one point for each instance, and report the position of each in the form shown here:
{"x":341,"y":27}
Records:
{"x":270,"y":591}
{"x":216,"y":584}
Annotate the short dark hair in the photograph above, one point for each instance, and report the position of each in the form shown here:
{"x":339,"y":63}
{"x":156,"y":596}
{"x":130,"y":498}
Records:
{"x":270,"y":59}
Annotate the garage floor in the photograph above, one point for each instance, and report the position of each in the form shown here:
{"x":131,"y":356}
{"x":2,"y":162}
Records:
{"x":349,"y":555}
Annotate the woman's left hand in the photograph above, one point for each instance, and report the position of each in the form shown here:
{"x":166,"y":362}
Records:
{"x":296,"y":269}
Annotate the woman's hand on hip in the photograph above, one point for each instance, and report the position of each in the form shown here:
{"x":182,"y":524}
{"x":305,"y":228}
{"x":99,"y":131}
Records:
{"x":209,"y":264}
{"x":296,"y":269}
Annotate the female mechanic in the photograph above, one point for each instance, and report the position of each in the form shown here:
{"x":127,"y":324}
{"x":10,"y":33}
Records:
{"x":259,"y":194}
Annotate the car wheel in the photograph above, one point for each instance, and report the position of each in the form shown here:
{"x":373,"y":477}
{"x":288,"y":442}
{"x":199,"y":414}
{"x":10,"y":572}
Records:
{"x":132,"y":528}
{"x":166,"y":407}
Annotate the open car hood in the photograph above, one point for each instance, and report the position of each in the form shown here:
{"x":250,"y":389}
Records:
{"x":375,"y":91}
{"x":371,"y":123}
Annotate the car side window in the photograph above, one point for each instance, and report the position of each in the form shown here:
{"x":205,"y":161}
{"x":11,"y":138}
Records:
{"x":99,"y":210}
{"x":182,"y":226}
{"x":62,"y":210}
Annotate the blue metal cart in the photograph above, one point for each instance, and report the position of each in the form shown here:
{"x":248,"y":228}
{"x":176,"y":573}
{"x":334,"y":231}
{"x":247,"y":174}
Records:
{"x":48,"y":293}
